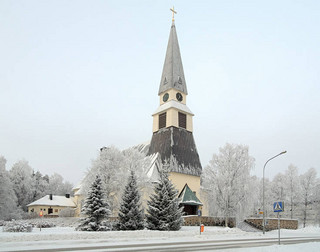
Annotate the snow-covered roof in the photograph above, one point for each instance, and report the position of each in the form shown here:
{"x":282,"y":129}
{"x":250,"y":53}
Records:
{"x":143,"y":147}
{"x":77,"y":187}
{"x":56,"y":201}
{"x":173,"y":104}
{"x":80,"y":191}
{"x":153,"y":170}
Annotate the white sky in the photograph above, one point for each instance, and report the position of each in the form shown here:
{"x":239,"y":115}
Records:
{"x":79,"y":75}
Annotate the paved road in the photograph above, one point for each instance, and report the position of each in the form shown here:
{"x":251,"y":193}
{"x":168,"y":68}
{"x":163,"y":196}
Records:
{"x":208,"y":245}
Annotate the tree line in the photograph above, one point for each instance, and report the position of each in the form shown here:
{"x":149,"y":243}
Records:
{"x":226,"y":183}
{"x":163,"y":211}
{"x":233,"y":191}
{"x":21,"y":185}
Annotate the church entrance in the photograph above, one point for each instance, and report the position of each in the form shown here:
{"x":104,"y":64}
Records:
{"x":189,"y":201}
{"x":190,"y":210}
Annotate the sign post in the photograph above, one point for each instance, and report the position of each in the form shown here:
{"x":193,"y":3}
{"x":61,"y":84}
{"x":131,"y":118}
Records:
{"x":277,"y":208}
{"x":41,"y":215}
{"x":199,"y":215}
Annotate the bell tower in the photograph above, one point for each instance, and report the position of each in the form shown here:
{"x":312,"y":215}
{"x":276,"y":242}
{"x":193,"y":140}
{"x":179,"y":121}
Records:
{"x":172,"y":128}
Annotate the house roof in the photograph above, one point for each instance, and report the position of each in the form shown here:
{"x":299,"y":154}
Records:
{"x":56,"y":201}
{"x":188,"y":197}
{"x":172,"y":73}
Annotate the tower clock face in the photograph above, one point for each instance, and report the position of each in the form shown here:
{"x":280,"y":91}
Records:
{"x":179,"y":97}
{"x":165,"y":97}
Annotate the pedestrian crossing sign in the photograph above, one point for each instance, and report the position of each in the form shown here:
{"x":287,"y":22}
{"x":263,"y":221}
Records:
{"x":278,"y":207}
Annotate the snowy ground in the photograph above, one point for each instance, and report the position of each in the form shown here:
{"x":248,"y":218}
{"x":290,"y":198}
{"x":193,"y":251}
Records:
{"x":68,"y":237}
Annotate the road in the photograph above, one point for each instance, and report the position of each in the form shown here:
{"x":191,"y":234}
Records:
{"x":208,"y":245}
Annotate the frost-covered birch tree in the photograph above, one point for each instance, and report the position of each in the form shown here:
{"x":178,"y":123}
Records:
{"x":308,"y":185}
{"x":39,"y":185}
{"x":317,"y":201}
{"x":112,"y":165}
{"x":108,"y":166}
{"x":21,"y":178}
{"x":292,"y":188}
{"x":278,"y":187}
{"x":8,"y":199}
{"x":58,"y":186}
{"x":227,"y":177}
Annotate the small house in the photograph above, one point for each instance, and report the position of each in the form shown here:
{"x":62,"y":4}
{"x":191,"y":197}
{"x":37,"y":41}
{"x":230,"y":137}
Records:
{"x":51,"y":205}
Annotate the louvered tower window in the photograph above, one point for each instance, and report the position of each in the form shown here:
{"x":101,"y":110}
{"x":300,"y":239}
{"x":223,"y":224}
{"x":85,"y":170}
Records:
{"x":162,"y":120}
{"x":182,"y":120}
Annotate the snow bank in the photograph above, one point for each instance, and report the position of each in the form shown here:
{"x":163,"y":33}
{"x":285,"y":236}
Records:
{"x":67,"y":236}
{"x":310,"y":247}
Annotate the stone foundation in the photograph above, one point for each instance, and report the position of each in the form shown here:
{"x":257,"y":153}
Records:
{"x":272,"y":224}
{"x":208,"y":221}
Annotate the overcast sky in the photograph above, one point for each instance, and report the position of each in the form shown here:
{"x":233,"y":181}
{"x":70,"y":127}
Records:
{"x":79,"y":75}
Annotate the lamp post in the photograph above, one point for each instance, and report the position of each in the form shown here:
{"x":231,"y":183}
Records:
{"x":264,"y":223}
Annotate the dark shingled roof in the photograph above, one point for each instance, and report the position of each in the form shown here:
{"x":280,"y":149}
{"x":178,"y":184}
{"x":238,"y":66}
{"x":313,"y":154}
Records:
{"x":177,"y":149}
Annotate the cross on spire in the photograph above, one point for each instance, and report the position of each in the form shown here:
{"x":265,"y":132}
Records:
{"x":173,"y":12}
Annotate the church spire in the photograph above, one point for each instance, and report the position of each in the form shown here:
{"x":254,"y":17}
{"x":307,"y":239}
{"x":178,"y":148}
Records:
{"x":172,"y":73}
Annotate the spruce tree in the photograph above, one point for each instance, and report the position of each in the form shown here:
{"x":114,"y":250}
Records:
{"x":164,"y":212}
{"x":130,"y":213}
{"x":95,"y":208}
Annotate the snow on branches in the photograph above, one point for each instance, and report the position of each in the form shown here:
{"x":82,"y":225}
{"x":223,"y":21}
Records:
{"x":164,"y":212}
{"x":96,"y":209}
{"x":130,"y":214}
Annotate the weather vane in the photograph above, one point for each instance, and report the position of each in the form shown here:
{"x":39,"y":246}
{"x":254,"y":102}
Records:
{"x":173,"y":12}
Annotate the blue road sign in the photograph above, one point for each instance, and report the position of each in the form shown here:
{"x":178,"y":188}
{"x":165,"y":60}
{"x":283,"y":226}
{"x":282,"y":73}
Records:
{"x":278,"y":207}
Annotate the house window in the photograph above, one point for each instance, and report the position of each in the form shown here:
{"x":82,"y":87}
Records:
{"x":55,"y":210}
{"x":182,"y":120}
{"x":44,"y":209}
{"x":162,"y":120}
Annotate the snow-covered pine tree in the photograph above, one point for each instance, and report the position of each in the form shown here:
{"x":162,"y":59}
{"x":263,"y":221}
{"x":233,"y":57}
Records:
{"x":130,"y":213}
{"x":164,"y":212}
{"x":96,"y":209}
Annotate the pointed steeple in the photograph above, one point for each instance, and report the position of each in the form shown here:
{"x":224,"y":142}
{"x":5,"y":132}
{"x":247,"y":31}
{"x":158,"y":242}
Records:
{"x":172,"y":73}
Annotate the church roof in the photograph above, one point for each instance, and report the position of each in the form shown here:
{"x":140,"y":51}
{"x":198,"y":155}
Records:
{"x":173,"y":104}
{"x":177,"y":149}
{"x":188,"y":197}
{"x":172,"y":73}
{"x":56,"y":201}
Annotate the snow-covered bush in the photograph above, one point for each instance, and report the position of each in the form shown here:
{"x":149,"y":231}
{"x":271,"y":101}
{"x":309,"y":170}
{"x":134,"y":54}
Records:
{"x":45,"y":224}
{"x":15,"y":226}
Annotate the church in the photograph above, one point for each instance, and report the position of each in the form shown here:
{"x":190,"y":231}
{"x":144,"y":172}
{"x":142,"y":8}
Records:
{"x":172,"y":146}
{"x":172,"y":130}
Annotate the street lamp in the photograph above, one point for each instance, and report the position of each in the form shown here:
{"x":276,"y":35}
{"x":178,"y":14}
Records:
{"x":264,"y":223}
